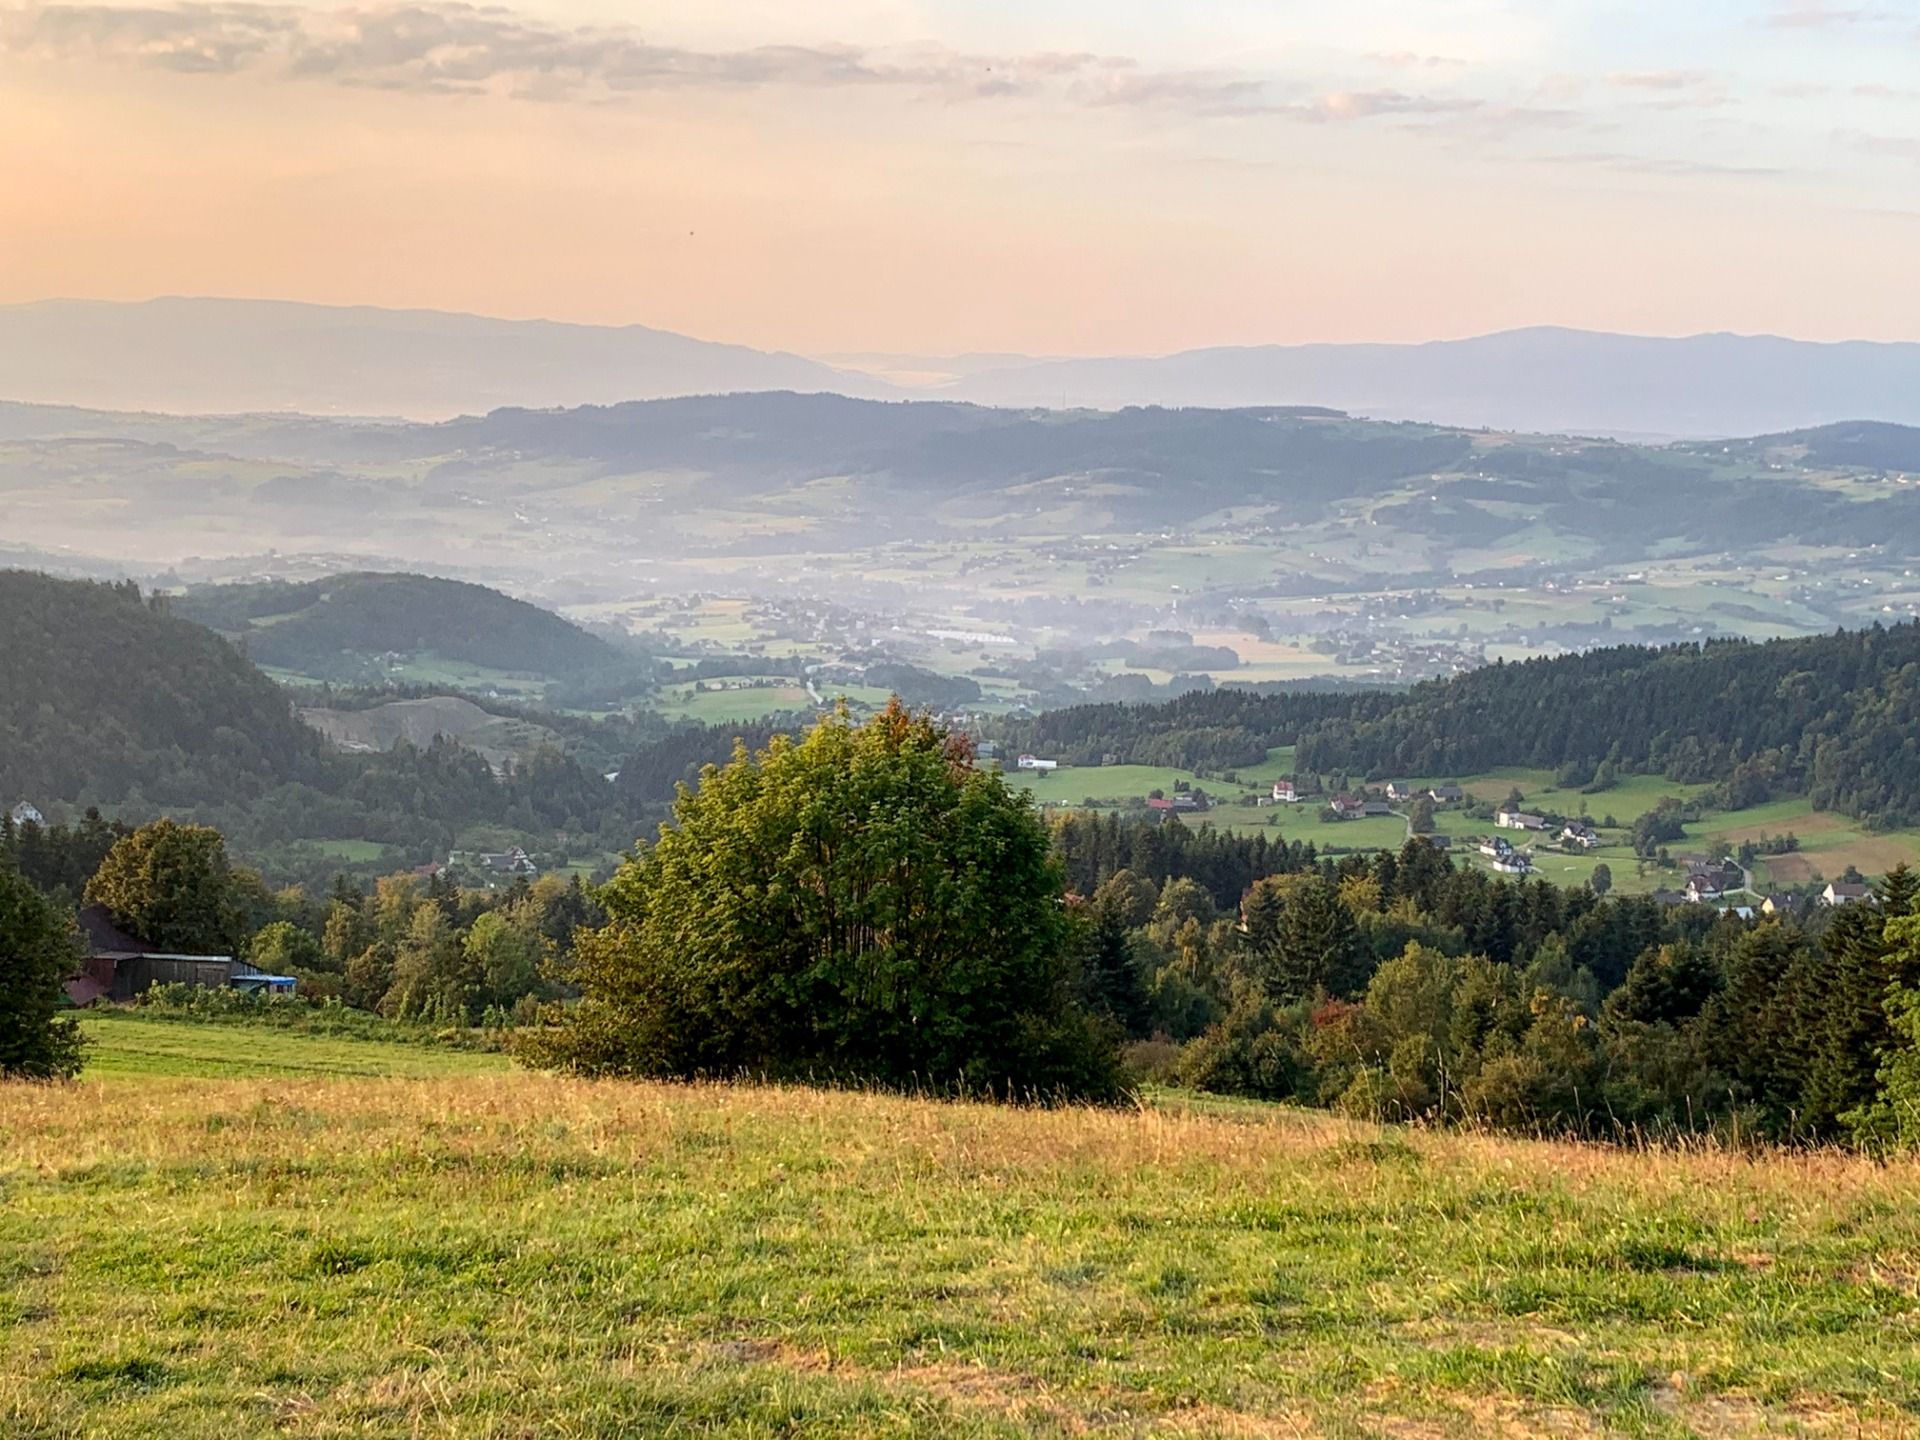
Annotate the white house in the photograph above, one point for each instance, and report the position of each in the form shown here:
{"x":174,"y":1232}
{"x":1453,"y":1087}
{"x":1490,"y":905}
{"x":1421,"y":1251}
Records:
{"x":1519,"y":820}
{"x":1285,"y":792}
{"x":1513,"y":863}
{"x":1446,"y":794}
{"x":1032,"y":762}
{"x":1397,"y":791}
{"x":1703,"y":886}
{"x":1841,"y":892}
{"x":1579,"y":833}
{"x":26,"y":814}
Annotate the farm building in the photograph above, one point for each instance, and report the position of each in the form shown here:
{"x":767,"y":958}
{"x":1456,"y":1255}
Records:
{"x":120,"y":967}
{"x":1842,"y":892}
{"x":1034,"y":762}
{"x":1519,"y":820}
{"x":1446,"y":794}
{"x":1285,"y":792}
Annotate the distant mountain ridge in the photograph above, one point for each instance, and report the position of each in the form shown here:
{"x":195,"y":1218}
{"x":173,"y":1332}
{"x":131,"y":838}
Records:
{"x":1543,"y":380}
{"x":215,"y":356}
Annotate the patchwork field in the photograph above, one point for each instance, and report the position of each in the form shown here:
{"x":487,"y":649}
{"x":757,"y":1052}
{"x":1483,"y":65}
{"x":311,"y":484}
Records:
{"x":1829,"y":843}
{"x":510,"y":1255}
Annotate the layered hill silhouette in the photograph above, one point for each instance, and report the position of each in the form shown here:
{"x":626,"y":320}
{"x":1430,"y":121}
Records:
{"x":187,"y":356}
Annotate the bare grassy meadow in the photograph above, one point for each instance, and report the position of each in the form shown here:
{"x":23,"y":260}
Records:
{"x":498,"y":1254}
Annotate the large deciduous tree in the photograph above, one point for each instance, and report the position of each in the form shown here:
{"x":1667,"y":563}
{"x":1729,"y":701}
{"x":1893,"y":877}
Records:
{"x":862,"y":905}
{"x":171,"y":885}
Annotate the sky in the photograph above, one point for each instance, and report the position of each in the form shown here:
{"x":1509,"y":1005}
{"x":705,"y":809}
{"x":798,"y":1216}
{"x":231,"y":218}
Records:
{"x":942,"y":176}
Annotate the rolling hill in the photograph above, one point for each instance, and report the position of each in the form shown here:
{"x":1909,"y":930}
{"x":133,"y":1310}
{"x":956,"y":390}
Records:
{"x":330,"y":628}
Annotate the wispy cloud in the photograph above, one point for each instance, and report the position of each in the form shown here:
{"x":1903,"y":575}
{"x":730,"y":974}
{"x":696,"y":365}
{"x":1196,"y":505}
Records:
{"x":1415,"y":60}
{"x":463,"y":49}
{"x":1892,"y":147}
{"x":1672,"y":89}
{"x":466,"y":49}
{"x":1679,"y":167}
{"x":1818,"y":15}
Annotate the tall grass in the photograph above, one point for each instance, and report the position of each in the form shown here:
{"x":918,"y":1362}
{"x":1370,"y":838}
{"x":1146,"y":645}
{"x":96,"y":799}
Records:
{"x":522,"y":1255}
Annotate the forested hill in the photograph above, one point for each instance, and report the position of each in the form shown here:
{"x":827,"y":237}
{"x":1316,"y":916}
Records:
{"x":1836,"y":717}
{"x":319,"y":626}
{"x":108,"y":697}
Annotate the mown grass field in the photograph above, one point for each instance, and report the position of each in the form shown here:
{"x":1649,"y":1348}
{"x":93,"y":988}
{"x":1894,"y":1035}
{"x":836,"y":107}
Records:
{"x":514,"y":1255}
{"x":132,"y":1045}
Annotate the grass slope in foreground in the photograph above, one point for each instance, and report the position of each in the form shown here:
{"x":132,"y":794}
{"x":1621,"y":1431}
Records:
{"x":516,"y":1255}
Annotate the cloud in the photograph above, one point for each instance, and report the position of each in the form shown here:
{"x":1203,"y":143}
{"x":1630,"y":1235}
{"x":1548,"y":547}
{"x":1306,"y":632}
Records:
{"x":1345,"y":105}
{"x":1414,"y":60}
{"x":453,"y":48}
{"x":1892,"y":147}
{"x":439,"y":48}
{"x":1818,"y":15}
{"x":1668,"y":81}
{"x":1684,"y":168}
{"x":210,"y":38}
{"x":1672,"y":89}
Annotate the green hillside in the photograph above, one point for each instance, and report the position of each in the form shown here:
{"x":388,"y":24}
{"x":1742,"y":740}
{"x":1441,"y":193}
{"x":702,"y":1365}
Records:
{"x":1828,"y":717}
{"x":112,"y":700}
{"x":108,"y":697}
{"x":337,"y":627}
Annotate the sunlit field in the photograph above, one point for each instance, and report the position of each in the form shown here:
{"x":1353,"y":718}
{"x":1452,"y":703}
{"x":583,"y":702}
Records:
{"x":507,"y":1254}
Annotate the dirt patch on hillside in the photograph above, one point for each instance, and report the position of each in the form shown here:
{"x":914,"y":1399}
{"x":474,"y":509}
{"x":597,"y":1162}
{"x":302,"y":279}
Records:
{"x":420,"y":722}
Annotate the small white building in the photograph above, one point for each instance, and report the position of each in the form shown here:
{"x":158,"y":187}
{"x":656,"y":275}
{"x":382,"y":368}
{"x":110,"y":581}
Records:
{"x":26,"y":813}
{"x":1034,"y":762}
{"x":1519,"y":820}
{"x":1396,"y":791}
{"x":1513,"y":863}
{"x":1285,"y":792}
{"x":1842,"y":892}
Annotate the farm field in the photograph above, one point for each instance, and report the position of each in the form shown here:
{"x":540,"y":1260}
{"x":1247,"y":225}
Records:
{"x":511,"y":1254}
{"x":1828,"y":843}
{"x":721,"y":704}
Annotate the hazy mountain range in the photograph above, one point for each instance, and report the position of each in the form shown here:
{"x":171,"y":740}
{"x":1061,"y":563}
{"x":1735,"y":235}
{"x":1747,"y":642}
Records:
{"x":193,"y":356}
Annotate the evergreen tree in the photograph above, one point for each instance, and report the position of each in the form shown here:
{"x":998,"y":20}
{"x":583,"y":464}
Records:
{"x":38,"y":951}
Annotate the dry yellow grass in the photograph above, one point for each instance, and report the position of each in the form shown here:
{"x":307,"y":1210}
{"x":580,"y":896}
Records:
{"x":518,"y":1255}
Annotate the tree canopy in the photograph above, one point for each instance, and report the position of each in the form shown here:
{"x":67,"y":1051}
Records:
{"x":862,"y":904}
{"x":38,"y":950}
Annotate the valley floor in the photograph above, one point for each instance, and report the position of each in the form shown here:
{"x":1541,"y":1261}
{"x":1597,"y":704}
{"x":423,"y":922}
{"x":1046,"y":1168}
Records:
{"x":275,"y":1250}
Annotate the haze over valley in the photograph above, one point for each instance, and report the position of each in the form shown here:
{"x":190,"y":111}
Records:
{"x":920,"y":720}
